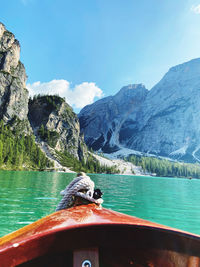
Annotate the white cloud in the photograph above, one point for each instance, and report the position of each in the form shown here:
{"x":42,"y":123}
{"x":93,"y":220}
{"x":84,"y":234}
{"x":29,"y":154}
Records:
{"x":78,"y":96}
{"x":196,"y":9}
{"x":84,"y":94}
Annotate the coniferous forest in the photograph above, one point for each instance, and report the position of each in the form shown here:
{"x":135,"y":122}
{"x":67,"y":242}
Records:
{"x":19,"y":151}
{"x":91,"y":165}
{"x":166,"y":168}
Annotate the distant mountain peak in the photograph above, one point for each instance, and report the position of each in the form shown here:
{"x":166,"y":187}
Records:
{"x":161,"y":121}
{"x":133,"y":86}
{"x":101,"y":122}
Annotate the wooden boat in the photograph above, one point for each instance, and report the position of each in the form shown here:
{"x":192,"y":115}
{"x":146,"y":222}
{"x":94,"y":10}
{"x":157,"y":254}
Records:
{"x":88,"y":235}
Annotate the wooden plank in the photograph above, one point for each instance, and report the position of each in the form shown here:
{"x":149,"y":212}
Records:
{"x":193,"y":262}
{"x":86,"y":257}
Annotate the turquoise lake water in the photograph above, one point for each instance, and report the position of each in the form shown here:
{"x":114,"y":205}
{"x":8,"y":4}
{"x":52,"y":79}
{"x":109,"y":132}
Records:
{"x":28,"y":196}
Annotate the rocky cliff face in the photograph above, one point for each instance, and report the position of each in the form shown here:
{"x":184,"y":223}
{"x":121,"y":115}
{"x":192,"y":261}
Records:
{"x":169,"y":121}
{"x":103,"y":122}
{"x":13,"y":94}
{"x":60,"y":124}
{"x":165,"y":121}
{"x":54,"y":121}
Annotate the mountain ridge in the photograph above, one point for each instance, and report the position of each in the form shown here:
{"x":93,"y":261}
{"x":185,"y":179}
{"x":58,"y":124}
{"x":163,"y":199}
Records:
{"x":110,"y":108}
{"x":45,"y":120}
{"x":165,"y":122}
{"x":39,"y":133}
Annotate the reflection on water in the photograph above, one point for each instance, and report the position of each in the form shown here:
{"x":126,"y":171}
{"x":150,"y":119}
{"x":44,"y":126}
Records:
{"x":28,"y":196}
{"x":171,"y":201}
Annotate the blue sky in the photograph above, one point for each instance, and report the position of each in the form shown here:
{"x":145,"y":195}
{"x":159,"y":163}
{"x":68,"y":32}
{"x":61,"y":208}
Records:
{"x":92,"y":48}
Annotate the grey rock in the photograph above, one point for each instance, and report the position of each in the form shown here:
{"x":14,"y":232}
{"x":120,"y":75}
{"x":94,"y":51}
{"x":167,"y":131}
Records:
{"x":169,"y":121}
{"x":13,"y":94}
{"x":58,"y":117}
{"x":102,"y":122}
{"x":2,"y":29}
{"x":16,"y":110}
{"x":164,"y":121}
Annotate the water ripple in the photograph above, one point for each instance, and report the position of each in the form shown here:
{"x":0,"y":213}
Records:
{"x":27,"y":196}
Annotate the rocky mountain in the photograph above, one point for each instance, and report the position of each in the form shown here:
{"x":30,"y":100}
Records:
{"x":13,"y":92}
{"x":49,"y":118}
{"x":54,"y":122}
{"x":169,"y":123}
{"x":102,"y":122}
{"x":164,"y":121}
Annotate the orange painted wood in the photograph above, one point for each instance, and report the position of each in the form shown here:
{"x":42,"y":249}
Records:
{"x":88,"y":226}
{"x":193,"y":262}
{"x":83,"y":255}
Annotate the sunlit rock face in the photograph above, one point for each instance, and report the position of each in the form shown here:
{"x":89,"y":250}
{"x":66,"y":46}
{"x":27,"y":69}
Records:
{"x":163,"y":121}
{"x":13,"y":94}
{"x":102,"y":122}
{"x":169,"y":121}
{"x":56,"y":116}
{"x":26,"y":116}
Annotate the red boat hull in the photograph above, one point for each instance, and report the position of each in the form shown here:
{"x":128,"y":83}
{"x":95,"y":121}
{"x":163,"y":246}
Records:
{"x":108,"y":238}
